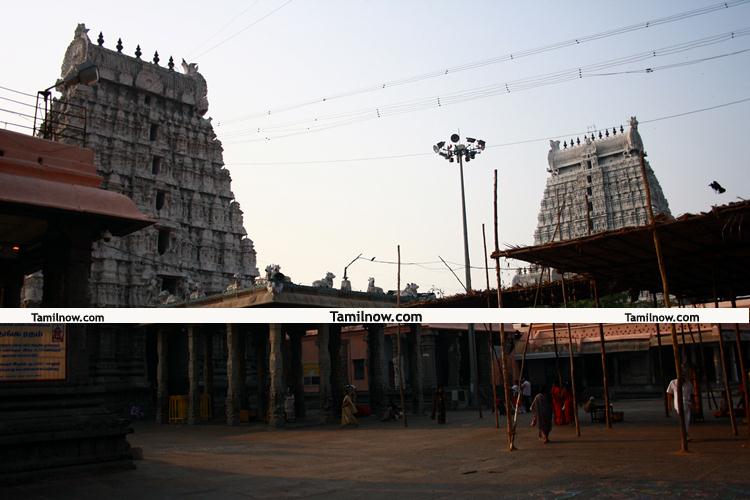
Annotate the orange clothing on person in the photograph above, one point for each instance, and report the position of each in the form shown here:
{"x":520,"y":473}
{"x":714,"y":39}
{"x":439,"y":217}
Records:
{"x":557,"y":404}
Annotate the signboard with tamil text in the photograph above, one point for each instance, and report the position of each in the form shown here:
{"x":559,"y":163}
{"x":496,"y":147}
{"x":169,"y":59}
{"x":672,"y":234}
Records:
{"x":32,"y":353}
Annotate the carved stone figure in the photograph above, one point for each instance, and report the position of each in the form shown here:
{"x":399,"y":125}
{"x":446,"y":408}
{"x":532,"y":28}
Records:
{"x":371,"y":288}
{"x":201,"y":99}
{"x":167,"y":298}
{"x":326,"y":282}
{"x":634,"y":138}
{"x":554,"y":146}
{"x":153,"y":286}
{"x":196,"y":289}
{"x":410,"y":290}
{"x":235,"y":284}
{"x":275,"y":279}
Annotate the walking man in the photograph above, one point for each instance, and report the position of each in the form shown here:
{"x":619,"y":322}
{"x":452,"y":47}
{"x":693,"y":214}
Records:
{"x":687,"y":399}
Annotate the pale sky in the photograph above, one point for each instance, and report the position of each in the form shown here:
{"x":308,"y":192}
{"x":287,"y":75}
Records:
{"x":312,"y":215}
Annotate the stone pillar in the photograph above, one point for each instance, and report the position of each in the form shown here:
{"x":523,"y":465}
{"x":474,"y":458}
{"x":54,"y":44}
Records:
{"x":337,"y":382}
{"x":417,"y":382}
{"x":429,"y":359}
{"x":208,"y":369}
{"x":234,"y":377}
{"x":484,"y":388}
{"x":261,"y":356}
{"x":732,"y":355}
{"x":67,"y":267}
{"x":11,"y":293}
{"x":276,"y":372}
{"x":324,"y":368}
{"x":454,"y":362}
{"x":193,"y":395}
{"x":398,"y":364}
{"x":295,"y":370}
{"x":717,"y":364}
{"x":162,"y":376}
{"x":375,"y":368}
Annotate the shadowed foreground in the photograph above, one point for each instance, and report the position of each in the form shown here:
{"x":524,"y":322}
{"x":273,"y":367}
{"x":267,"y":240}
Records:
{"x":465,"y":458}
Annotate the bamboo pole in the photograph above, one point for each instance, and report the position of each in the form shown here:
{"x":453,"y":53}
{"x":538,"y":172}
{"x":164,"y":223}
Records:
{"x":725,"y":376}
{"x":607,"y":416}
{"x":709,"y":389}
{"x":703,"y":371}
{"x":503,"y":340}
{"x":489,"y":335}
{"x":661,"y":365}
{"x":665,"y":292}
{"x":743,"y":373}
{"x":523,"y":365}
{"x":570,"y":359}
{"x":724,"y":367}
{"x":557,"y":356}
{"x":398,"y":339}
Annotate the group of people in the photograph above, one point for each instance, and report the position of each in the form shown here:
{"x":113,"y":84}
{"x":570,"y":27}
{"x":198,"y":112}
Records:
{"x":556,"y":406}
{"x":563,"y":404}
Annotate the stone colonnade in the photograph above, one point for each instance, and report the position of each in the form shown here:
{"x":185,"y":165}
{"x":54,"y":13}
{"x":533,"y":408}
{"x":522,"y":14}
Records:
{"x":276,"y":350}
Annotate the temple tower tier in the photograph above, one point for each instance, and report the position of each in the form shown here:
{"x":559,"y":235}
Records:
{"x":595,"y":185}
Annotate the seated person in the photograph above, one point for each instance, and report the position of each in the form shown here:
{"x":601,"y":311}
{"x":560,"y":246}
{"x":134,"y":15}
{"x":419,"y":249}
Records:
{"x":723,"y":410}
{"x":392,"y":412}
{"x":589,"y":406}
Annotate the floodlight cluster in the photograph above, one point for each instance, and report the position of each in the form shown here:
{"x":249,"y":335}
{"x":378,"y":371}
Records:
{"x":457,"y":149}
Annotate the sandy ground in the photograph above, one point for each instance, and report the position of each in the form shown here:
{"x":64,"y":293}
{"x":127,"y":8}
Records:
{"x":466,"y":458}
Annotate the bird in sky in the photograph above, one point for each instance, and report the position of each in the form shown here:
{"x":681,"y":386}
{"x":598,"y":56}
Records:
{"x":717,"y":187}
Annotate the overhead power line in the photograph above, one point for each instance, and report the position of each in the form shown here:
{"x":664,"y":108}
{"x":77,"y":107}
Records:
{"x":500,"y":145}
{"x":345,"y":118}
{"x":498,"y":59}
{"x":225,"y":26}
{"x":238,"y":33}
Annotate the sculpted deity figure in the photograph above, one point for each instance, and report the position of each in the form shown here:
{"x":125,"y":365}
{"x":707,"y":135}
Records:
{"x":201,"y":99}
{"x":275,"y":279}
{"x":554,"y":146}
{"x":371,"y":288}
{"x":326,"y":282}
{"x":410,"y":290}
{"x":634,"y":138}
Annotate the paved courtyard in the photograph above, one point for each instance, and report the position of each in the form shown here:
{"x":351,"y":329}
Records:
{"x":464,"y":459}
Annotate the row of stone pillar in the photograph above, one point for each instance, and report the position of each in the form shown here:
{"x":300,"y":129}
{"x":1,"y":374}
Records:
{"x":284,"y":368}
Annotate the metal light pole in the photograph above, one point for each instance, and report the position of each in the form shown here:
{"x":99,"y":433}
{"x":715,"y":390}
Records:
{"x":469,"y":151}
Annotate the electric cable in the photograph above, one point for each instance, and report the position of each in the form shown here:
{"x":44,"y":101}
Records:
{"x":500,"y":145}
{"x":321,"y":123}
{"x":503,"y":58}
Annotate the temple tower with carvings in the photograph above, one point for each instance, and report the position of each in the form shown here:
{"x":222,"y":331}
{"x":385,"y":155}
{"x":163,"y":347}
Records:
{"x":595,"y":185}
{"x":145,"y":120}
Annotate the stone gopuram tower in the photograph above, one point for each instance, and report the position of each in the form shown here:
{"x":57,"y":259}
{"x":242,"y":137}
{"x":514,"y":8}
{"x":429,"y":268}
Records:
{"x":596,"y":185}
{"x":146,"y":124}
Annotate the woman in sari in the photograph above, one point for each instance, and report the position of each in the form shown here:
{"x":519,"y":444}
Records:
{"x":557,"y":403}
{"x":348,"y":408}
{"x":541,"y":407}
